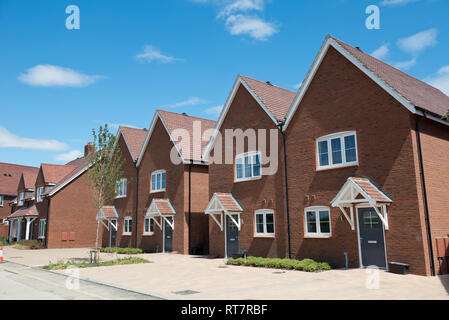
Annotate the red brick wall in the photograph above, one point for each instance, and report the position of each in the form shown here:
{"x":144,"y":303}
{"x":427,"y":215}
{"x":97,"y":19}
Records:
{"x":157,"y":157}
{"x":5,"y":211}
{"x":266,"y":192}
{"x":435,"y":153}
{"x":342,"y":98}
{"x":72,"y":210}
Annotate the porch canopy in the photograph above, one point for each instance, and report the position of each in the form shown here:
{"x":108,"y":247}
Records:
{"x":108,"y":213}
{"x":224,"y":204}
{"x":163,"y":209}
{"x":362,"y":191}
{"x":29,"y":214}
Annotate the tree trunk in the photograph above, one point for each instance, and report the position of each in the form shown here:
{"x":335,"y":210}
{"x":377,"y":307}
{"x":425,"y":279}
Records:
{"x":97,"y":254}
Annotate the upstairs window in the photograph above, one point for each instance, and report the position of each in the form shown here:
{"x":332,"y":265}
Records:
{"x":264,"y":223}
{"x":21,"y":197}
{"x":1,"y":201}
{"x":40,"y":191}
{"x":247,"y":166}
{"x":158,"y":181}
{"x":318,"y":222}
{"x":337,"y":150}
{"x":127,"y":226}
{"x":120,"y":188}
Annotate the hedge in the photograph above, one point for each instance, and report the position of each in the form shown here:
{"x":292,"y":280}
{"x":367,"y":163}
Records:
{"x":308,"y":265}
{"x":121,"y":250}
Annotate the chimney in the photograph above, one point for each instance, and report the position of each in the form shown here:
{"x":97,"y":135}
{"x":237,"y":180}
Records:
{"x":88,"y":149}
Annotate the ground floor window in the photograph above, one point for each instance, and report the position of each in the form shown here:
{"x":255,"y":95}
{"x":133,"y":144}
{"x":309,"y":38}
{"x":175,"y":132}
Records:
{"x":148,"y":226}
{"x":42,"y":225}
{"x":264,"y":222}
{"x":127,"y":226}
{"x":317,"y":220}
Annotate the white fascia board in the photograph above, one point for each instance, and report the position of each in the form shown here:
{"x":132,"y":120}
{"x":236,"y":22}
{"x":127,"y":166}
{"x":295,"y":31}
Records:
{"x":53,"y":192}
{"x":239,"y":81}
{"x":310,"y":75}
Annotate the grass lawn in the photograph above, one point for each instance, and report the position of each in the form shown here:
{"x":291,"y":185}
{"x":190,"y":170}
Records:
{"x":277,"y":263}
{"x":121,"y":250}
{"x":62,"y":266}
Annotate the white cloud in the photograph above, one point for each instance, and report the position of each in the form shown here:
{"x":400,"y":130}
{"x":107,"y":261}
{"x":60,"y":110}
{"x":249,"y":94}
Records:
{"x":396,"y":2}
{"x":69,"y":156}
{"x":189,"y":102}
{"x":440,"y":80}
{"x":9,"y":140}
{"x":242,"y":5}
{"x":150,"y":54}
{"x":381,"y":52}
{"x":215,"y":111}
{"x":50,"y":76}
{"x":252,"y":26}
{"x":419,"y":41}
{"x":405,"y":65}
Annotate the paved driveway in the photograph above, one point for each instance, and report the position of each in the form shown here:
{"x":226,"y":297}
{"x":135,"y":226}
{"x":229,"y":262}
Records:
{"x":190,"y":277}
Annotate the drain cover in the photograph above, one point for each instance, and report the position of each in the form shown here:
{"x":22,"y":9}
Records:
{"x":278,"y":272}
{"x":222,"y":266}
{"x":185,"y":292}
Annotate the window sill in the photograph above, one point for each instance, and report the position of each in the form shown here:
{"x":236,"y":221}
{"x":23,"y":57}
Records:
{"x":127,"y":234}
{"x":157,"y":191}
{"x":355,"y":164}
{"x":148,"y":234}
{"x":316,"y":237}
{"x":247,"y":179}
{"x":264,"y":236}
{"x":120,"y":197}
{"x":41,"y":238}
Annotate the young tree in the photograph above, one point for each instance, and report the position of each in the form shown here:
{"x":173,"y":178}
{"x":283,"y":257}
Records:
{"x":105,"y":170}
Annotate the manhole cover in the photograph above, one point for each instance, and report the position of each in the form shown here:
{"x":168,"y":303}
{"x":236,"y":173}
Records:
{"x":278,"y":272}
{"x":222,"y":267}
{"x":185,"y":292}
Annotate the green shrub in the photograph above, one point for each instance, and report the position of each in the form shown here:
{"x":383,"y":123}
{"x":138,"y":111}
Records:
{"x":121,"y":250}
{"x":62,"y":266}
{"x":3,"y":241}
{"x":278,"y":263}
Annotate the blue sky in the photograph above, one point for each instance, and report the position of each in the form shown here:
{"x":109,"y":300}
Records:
{"x":131,"y":57}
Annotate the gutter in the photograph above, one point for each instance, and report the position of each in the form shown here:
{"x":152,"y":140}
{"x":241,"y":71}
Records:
{"x":424,"y":191}
{"x":137,"y":203}
{"x":190,"y":206}
{"x":280,"y":126}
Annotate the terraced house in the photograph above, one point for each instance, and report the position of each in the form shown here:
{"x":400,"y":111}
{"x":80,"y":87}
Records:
{"x":363,"y":174}
{"x":172,"y":194}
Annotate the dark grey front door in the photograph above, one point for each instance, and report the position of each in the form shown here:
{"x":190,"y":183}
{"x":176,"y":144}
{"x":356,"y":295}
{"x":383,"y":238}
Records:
{"x":113,"y":242}
{"x":372,"y":244}
{"x":232,"y":236}
{"x":168,"y":241}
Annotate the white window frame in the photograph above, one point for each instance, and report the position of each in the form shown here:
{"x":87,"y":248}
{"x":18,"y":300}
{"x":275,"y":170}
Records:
{"x":156,"y":174}
{"x":242,"y":157}
{"x":264,"y":212}
{"x":150,"y":226}
{"x":39,"y":193}
{"x":21,"y":198}
{"x":1,"y":200}
{"x":42,"y":227}
{"x":318,"y":233}
{"x":127,"y":224}
{"x":122,"y":186}
{"x":328,"y":138}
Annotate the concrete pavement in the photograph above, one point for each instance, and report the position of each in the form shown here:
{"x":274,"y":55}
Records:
{"x":190,"y":277}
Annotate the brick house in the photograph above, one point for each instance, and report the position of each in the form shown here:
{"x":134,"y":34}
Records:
{"x":10,"y":176}
{"x":172,"y":194}
{"x":117,"y":215}
{"x":366,"y":166}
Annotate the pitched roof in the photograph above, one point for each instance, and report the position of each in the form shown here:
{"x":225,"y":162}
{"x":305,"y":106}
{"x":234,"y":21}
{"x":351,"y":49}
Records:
{"x":53,"y":173}
{"x":10,"y":176}
{"x":29,"y":178}
{"x":278,"y":100}
{"x":134,"y":138}
{"x":107,"y":212}
{"x":174,"y":121}
{"x":25,"y":212}
{"x":162,"y":206}
{"x":371,"y":190}
{"x":81,"y":164}
{"x":417,"y":92}
{"x":228,"y":202}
